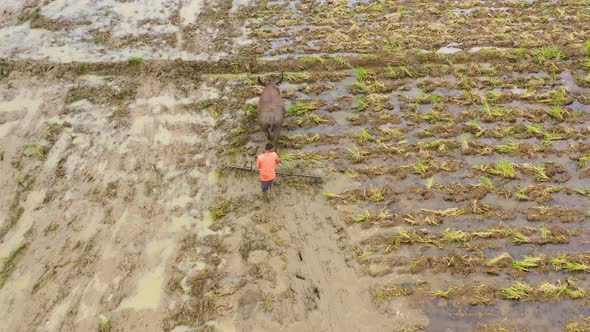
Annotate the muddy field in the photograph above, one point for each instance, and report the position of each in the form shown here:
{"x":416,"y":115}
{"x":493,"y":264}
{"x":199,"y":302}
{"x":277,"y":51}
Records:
{"x":453,"y":139}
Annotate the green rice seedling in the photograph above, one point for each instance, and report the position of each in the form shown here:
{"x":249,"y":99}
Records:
{"x":527,"y":262}
{"x":574,"y":291}
{"x":296,"y":76}
{"x":361,"y":73}
{"x":390,"y":291}
{"x":486,"y":182}
{"x":353,"y":117}
{"x":464,"y":142}
{"x":519,"y":193}
{"x":443,"y":293}
{"x":552,"y":52}
{"x":538,"y":171}
{"x":310,"y":118}
{"x":517,"y":291}
{"x":376,"y":195}
{"x":454,"y":236}
{"x":8,"y":263}
{"x":220,"y":210}
{"x":356,"y":155}
{"x":503,"y":168}
{"x":301,"y":107}
{"x":35,"y":147}
{"x":361,"y":105}
{"x":341,"y":62}
{"x":330,"y":195}
{"x":534,"y":128}
{"x":500,"y":258}
{"x":450,"y":212}
{"x":587,"y":44}
{"x":421,"y":166}
{"x":411,"y":268}
{"x":351,"y":173}
{"x":104,"y":323}
{"x":582,"y":161}
{"x":135,"y":60}
{"x":555,"y":290}
{"x":312,"y":60}
{"x":249,"y":109}
{"x":429,"y":183}
{"x":548,"y":137}
{"x":19,"y":176}
{"x":363,"y":136}
{"x":519,"y":238}
{"x":552,"y":290}
{"x":507,"y":147}
{"x":569,"y":264}
{"x":474,"y":124}
{"x":373,"y":217}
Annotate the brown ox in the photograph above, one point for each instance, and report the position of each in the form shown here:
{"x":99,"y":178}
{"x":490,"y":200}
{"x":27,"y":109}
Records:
{"x":271,"y":110}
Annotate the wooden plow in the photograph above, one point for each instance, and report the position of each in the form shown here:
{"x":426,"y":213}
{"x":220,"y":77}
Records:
{"x":251,"y":168}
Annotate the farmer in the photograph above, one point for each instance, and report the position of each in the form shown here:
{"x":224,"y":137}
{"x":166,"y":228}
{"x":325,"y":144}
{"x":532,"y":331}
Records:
{"x":266,"y":163}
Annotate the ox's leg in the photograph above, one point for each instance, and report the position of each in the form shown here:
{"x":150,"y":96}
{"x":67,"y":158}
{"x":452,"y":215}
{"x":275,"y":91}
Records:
{"x":276,"y":133}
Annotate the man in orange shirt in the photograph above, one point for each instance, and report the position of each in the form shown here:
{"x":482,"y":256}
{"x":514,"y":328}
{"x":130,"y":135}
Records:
{"x":266,"y":164}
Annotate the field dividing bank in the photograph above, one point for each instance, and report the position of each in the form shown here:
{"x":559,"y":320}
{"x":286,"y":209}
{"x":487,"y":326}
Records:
{"x":453,"y":139}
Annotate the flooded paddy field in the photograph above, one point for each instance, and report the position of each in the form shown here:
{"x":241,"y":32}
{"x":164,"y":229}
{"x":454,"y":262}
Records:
{"x":453,"y":139}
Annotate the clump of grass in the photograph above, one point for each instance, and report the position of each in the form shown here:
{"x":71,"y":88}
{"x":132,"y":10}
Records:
{"x":538,"y":171}
{"x":517,"y":291}
{"x":486,"y":182}
{"x":330,"y":195}
{"x":104,"y":323}
{"x":421,"y":166}
{"x":503,"y":168}
{"x":220,"y":210}
{"x":507,"y":147}
{"x":582,"y":161}
{"x":296,"y":76}
{"x":569,"y":264}
{"x":301,"y":107}
{"x":135,"y":60}
{"x":8,"y":263}
{"x":552,"y":52}
{"x":312,"y":60}
{"x":36,"y":149}
{"x":527,"y":262}
{"x":390,"y":291}
{"x":376,"y":195}
{"x":519,"y":193}
{"x":555,"y":290}
{"x":361,"y":73}
{"x":519,"y":238}
{"x":356,"y":155}
{"x":556,"y":112}
{"x":353,"y":117}
{"x":373,"y":217}
{"x":503,"y":257}
{"x":534,"y":128}
{"x":341,"y":62}
{"x":454,"y":236}
{"x":429,"y":183}
{"x":443,"y":293}
{"x":363,"y":136}
{"x":464,"y":141}
{"x":310,"y":118}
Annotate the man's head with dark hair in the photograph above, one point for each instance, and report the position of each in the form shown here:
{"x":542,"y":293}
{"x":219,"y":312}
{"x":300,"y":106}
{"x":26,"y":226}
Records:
{"x":268,"y":146}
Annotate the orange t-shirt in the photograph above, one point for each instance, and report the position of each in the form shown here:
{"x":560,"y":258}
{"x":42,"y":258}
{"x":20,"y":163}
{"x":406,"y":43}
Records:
{"x":266,"y":164}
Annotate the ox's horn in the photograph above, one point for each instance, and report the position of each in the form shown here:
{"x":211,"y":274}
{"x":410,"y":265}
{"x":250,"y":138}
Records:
{"x":281,"y":80}
{"x":260,"y":81}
